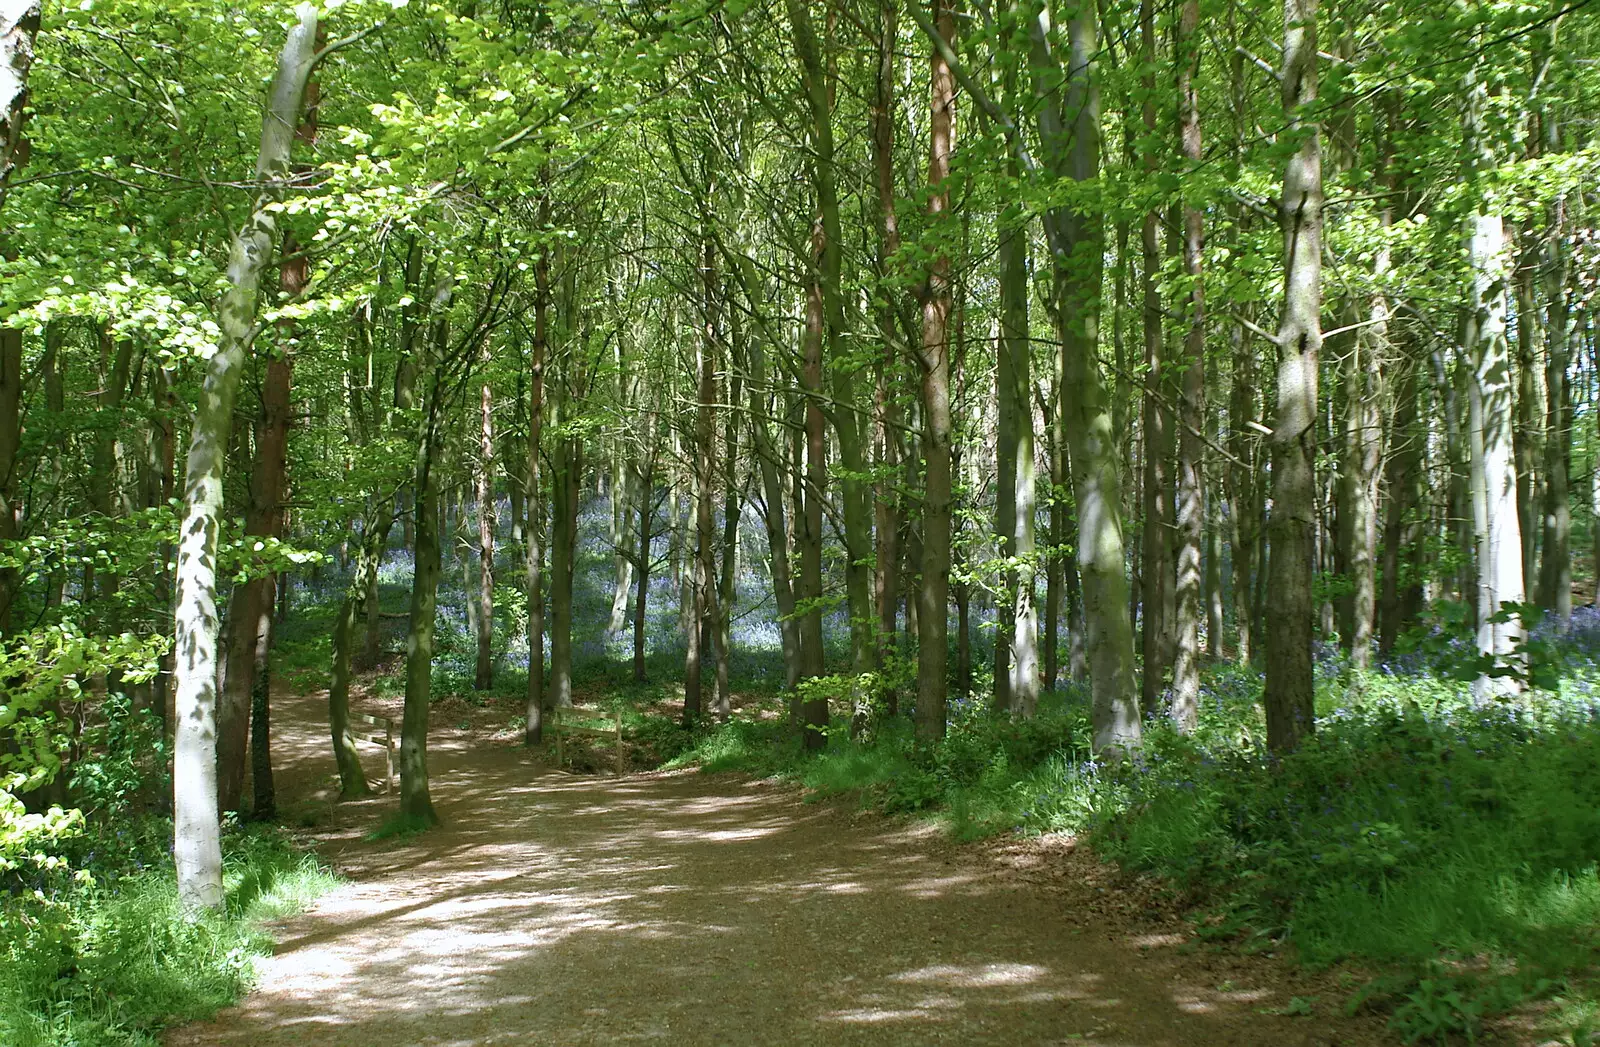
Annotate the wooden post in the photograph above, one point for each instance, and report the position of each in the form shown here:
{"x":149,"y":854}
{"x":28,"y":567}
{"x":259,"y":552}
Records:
{"x":555,"y":721}
{"x":618,"y":711}
{"x":388,"y":756}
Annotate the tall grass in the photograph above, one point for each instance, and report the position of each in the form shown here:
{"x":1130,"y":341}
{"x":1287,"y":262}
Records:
{"x":112,"y":964}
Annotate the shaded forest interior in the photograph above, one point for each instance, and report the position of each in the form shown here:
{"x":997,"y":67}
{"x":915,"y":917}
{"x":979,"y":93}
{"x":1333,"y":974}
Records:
{"x":1174,"y":424}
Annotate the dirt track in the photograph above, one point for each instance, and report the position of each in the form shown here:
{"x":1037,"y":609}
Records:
{"x":691,"y":909}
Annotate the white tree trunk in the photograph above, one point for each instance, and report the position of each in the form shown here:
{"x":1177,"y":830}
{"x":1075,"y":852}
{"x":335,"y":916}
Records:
{"x":1494,"y":474}
{"x":197,"y":848}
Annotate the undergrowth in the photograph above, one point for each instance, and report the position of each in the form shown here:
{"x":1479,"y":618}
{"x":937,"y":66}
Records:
{"x":111,"y":960}
{"x":1451,"y":844}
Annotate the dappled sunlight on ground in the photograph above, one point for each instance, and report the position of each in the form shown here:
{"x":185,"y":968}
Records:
{"x":558,"y":909}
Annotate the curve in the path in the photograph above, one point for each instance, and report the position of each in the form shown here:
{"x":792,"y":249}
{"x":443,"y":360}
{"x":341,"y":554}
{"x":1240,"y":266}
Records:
{"x":691,"y":909}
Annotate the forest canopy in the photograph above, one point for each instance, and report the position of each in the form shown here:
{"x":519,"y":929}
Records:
{"x":1204,"y":375}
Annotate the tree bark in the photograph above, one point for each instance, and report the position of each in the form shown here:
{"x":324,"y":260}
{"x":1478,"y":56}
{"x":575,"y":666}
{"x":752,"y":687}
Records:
{"x":1289,"y":694}
{"x":533,"y":731}
{"x":197,"y":848}
{"x":1525,"y":434}
{"x":264,"y":518}
{"x":933,"y":599}
{"x":886,"y":415}
{"x":1155,"y":573}
{"x":1555,"y":581}
{"x":1071,"y":150}
{"x":773,"y":516}
{"x":1191,"y":495}
{"x":1494,"y":474}
{"x":483,"y":675}
{"x":1014,"y":378}
{"x":416,"y":802}
{"x":352,"y":780}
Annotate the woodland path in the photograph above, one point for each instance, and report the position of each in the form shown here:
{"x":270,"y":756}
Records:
{"x":683,"y":908}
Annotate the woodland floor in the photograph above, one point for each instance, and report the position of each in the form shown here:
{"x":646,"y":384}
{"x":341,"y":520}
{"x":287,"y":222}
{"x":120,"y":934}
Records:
{"x":552,"y":908}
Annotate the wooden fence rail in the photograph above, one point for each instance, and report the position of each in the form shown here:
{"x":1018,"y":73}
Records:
{"x":386,"y":739}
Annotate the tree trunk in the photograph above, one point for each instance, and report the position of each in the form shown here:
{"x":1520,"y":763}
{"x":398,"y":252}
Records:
{"x":483,"y":676}
{"x":264,"y":518}
{"x":728,"y":582}
{"x":263,"y":795}
{"x":1243,"y":512}
{"x":1289,"y":694}
{"x":197,"y":848}
{"x":886,"y":421}
{"x":533,"y":731}
{"x":1191,"y":495}
{"x":647,"y":501}
{"x":416,"y":803}
{"x":1525,"y":430}
{"x":1014,"y":376}
{"x":1402,"y":531}
{"x":352,"y":780}
{"x":566,"y":476}
{"x":773,"y":517}
{"x":1076,"y":245}
{"x":1155,"y":572}
{"x":818,"y":84}
{"x":1555,"y":582}
{"x":933,"y":603}
{"x":1494,"y":474}
{"x":704,"y":623}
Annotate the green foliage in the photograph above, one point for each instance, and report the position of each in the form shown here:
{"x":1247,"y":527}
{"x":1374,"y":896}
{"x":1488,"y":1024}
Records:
{"x":112,"y":965}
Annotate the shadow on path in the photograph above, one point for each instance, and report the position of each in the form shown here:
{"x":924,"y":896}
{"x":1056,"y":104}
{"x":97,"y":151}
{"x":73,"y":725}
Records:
{"x":692,"y":909}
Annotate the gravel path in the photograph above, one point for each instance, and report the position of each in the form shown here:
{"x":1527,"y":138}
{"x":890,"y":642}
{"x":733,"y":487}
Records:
{"x":692,"y":909}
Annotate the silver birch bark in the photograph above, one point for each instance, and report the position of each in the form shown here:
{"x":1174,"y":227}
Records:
{"x":1494,"y":473}
{"x":197,"y":846}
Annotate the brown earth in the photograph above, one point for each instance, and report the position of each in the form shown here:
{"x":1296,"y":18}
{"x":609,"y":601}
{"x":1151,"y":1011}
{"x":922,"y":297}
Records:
{"x":684,"y":908}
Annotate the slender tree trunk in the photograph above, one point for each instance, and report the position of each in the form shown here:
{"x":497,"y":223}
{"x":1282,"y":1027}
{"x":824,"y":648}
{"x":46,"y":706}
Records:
{"x":352,"y":780}
{"x":264,"y":797}
{"x":1054,"y":554}
{"x":1289,"y":694}
{"x":886,"y":420}
{"x":1191,"y":495}
{"x":1529,"y":417}
{"x":783,"y":591}
{"x":416,"y":803}
{"x":704,"y":624}
{"x":1155,"y":572}
{"x":1555,"y":582}
{"x":533,"y":731}
{"x":818,"y":83}
{"x":647,"y":502}
{"x":483,"y":676}
{"x":1243,"y":512}
{"x":933,"y":603}
{"x":1402,"y":531}
{"x":197,"y":849}
{"x":1017,"y":496}
{"x":1364,"y":365}
{"x":1494,"y":474}
{"x":566,"y":487}
{"x":265,"y":518}
{"x":811,"y":490}
{"x":1072,"y":150}
{"x":732,"y":510}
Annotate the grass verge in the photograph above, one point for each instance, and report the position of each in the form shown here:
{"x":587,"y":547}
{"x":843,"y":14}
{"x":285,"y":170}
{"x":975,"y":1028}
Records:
{"x":111,"y":964}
